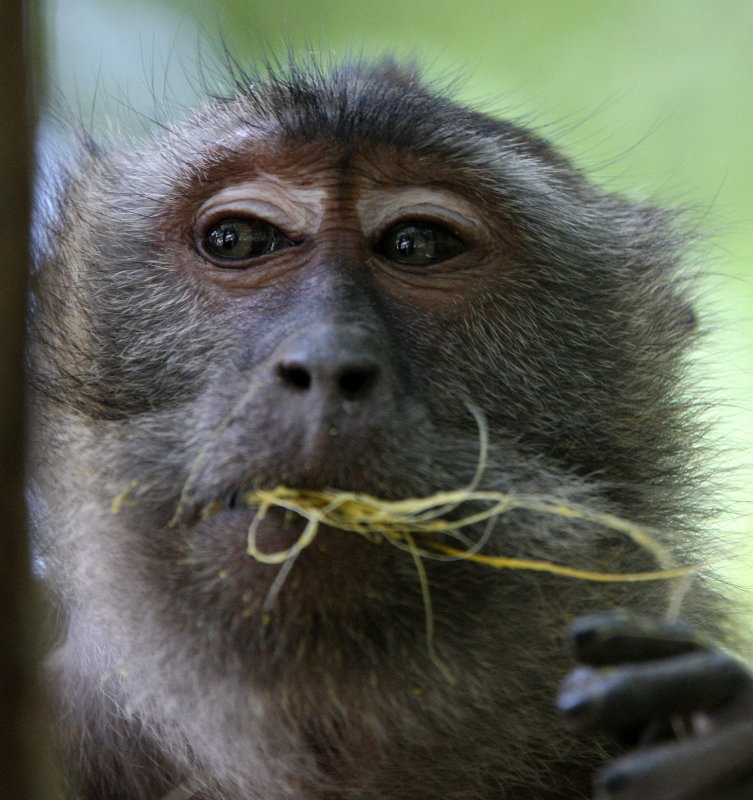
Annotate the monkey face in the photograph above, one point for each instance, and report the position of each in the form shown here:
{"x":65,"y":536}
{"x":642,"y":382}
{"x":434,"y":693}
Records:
{"x":314,"y":295}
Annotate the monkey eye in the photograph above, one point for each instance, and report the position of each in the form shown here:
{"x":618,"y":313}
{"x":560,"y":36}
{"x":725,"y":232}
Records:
{"x":419,"y":244}
{"x":239,"y":238}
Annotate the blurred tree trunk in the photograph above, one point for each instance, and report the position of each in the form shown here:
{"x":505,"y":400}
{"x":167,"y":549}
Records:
{"x":25,"y":772}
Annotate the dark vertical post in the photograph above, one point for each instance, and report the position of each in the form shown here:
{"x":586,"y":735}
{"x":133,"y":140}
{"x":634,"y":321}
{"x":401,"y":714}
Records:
{"x":24,"y":756}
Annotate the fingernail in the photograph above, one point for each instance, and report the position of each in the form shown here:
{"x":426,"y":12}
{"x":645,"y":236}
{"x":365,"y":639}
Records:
{"x":573,"y":704}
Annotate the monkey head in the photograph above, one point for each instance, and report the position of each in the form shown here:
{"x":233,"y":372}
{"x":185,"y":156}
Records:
{"x":322,"y":281}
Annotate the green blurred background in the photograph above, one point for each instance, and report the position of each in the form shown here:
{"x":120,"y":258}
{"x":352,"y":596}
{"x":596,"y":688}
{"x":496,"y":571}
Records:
{"x":654,"y":98}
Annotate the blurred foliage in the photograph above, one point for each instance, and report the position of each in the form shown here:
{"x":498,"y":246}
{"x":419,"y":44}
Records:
{"x":654,"y":97}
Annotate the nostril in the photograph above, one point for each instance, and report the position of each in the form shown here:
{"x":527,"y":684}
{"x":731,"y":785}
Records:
{"x":355,"y":382}
{"x":294,"y":375}
{"x":345,"y":378}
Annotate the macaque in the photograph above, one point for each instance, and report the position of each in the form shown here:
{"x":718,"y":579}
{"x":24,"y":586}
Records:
{"x":344,"y":280}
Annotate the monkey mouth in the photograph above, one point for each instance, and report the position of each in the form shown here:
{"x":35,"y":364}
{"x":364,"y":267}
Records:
{"x":276,"y":529}
{"x":275,"y":534}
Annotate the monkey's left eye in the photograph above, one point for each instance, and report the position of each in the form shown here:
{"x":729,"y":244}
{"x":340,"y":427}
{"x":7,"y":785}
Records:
{"x":419,"y":244}
{"x":238,"y":239}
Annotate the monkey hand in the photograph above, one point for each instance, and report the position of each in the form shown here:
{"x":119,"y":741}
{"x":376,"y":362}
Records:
{"x":685,"y":707}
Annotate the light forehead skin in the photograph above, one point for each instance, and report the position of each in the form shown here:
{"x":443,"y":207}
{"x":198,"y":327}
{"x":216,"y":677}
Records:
{"x":292,"y":206}
{"x":304,"y":188}
{"x":301,"y":209}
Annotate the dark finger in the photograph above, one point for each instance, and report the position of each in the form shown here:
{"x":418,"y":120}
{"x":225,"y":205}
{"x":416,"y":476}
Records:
{"x":618,"y":698}
{"x":737,"y":790}
{"x":697,"y":769}
{"x":618,"y":637}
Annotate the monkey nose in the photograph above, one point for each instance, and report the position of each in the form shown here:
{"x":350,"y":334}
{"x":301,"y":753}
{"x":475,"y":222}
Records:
{"x":352,"y":379}
{"x":330,"y":362}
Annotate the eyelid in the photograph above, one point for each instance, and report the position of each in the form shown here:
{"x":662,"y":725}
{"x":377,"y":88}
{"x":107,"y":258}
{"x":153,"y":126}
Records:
{"x":211,"y":214}
{"x":425,"y":213}
{"x":381,"y":210}
{"x":295,"y":210}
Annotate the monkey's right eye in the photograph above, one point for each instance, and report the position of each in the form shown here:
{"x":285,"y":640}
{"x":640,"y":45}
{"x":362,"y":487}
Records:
{"x":419,"y":244}
{"x":240,"y":238}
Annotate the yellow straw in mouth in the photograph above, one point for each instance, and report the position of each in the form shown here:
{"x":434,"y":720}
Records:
{"x":417,"y":522}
